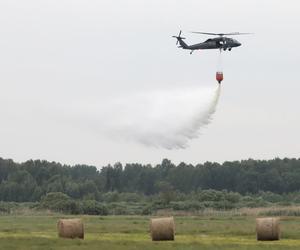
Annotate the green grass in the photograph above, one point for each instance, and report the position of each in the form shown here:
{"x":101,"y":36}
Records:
{"x":132,"y":232}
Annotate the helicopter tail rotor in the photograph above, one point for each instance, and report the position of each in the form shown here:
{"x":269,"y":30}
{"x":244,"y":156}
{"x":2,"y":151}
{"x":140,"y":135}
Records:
{"x":179,"y":37}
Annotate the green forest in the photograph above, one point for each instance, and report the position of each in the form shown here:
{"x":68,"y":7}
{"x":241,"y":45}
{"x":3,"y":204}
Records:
{"x":88,"y":189}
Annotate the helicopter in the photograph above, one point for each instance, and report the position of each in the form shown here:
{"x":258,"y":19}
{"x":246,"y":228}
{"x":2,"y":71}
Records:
{"x":221,"y":42}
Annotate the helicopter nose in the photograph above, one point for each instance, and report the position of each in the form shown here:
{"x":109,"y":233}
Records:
{"x":238,"y":44}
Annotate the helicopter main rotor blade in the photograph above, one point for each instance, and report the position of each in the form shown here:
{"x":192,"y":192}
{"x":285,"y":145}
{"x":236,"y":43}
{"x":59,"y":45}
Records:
{"x":206,"y":33}
{"x":237,"y":34}
{"x":221,"y":34}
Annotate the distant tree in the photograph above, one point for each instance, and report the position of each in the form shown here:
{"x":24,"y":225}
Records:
{"x":73,"y":189}
{"x":166,"y":191}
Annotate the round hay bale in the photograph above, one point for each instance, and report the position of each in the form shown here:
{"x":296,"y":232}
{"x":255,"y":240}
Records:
{"x":70,"y":228}
{"x":162,"y":229}
{"x":267,"y":229}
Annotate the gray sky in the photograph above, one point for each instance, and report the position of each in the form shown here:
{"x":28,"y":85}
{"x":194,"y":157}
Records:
{"x":56,"y":55}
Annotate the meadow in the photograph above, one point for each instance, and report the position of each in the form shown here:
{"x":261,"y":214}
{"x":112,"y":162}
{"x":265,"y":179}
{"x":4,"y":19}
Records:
{"x":132,"y":232}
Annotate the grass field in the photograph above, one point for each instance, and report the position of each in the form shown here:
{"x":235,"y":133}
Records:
{"x":127,"y":233}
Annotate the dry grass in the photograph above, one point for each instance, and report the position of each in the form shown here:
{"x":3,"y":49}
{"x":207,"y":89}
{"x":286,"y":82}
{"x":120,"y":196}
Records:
{"x":263,"y":211}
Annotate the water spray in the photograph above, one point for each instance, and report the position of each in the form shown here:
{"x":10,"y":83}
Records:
{"x":164,"y":119}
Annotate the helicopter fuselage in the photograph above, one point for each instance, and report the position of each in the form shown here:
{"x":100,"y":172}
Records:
{"x":213,"y":43}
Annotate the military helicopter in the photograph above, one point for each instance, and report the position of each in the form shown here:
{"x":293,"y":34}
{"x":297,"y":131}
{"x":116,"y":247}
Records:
{"x":221,"y":42}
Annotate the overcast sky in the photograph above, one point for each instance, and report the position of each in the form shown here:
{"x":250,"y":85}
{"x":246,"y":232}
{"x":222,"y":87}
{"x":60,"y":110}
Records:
{"x":60,"y":56}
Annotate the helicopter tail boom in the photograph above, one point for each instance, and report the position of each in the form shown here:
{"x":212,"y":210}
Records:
{"x":182,"y":44}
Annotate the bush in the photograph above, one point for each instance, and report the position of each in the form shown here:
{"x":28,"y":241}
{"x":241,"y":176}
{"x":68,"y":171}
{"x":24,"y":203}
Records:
{"x":232,"y":197}
{"x":130,"y":197}
{"x":226,"y":205}
{"x":247,"y":198}
{"x":210,"y":195}
{"x":60,"y":202}
{"x":5,"y":207}
{"x":178,"y":205}
{"x":255,"y":202}
{"x":92,"y":207}
{"x":110,"y":197}
{"x":271,"y":197}
{"x":148,"y":210}
{"x":187,"y":206}
{"x":118,"y":209}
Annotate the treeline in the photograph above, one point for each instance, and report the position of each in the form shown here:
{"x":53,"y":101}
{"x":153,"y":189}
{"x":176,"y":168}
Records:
{"x":31,"y":180}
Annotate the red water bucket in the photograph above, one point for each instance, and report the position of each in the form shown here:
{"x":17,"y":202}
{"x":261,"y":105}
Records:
{"x":219,"y":76}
